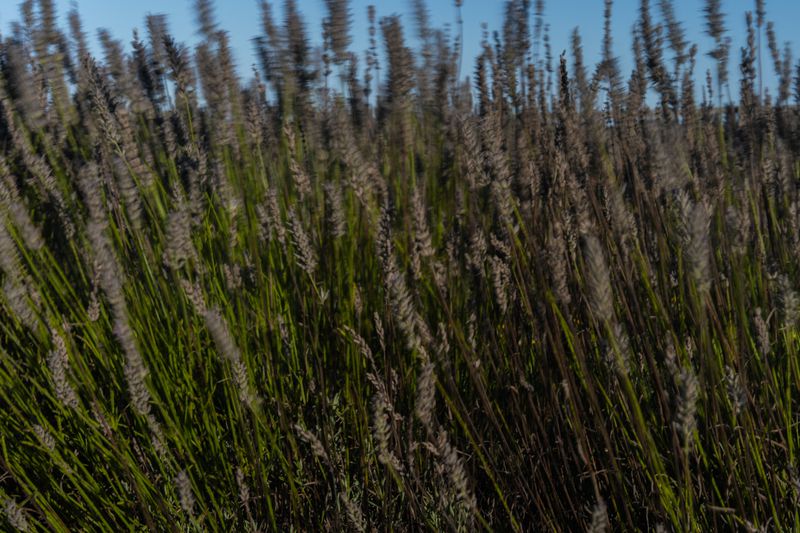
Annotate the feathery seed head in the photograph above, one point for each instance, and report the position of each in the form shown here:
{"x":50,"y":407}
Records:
{"x":15,"y":515}
{"x":601,"y":296}
{"x":185,"y":493}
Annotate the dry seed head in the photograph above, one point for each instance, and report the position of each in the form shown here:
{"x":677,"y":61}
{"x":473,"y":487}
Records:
{"x":244,"y":490}
{"x":45,"y":437}
{"x":90,"y":187}
{"x":557,"y":260}
{"x":620,"y":351}
{"x":444,"y":343}
{"x":233,"y":234}
{"x":688,"y":394}
{"x":472,"y":326}
{"x":424,"y":333}
{"x":195,"y":295}
{"x":671,"y":357}
{"x":789,"y":300}
{"x":423,"y":244}
{"x":454,"y":468}
{"x":736,"y":393}
{"x":10,"y":259}
{"x":305,"y":255}
{"x":699,"y":247}
{"x":622,"y":219}
{"x":426,"y":399}
{"x":571,"y":237}
{"x":762,"y":333}
{"x":93,"y":311}
{"x":300,"y":177}
{"x":504,"y":202}
{"x":363,"y":347}
{"x":681,"y":207}
{"x":381,"y":388}
{"x":246,"y":395}
{"x":58,"y":363}
{"x":135,"y":368}
{"x":379,"y":330}
{"x":501,"y":277}
{"x":224,"y":189}
{"x":233,"y":277}
{"x":401,"y":302}
{"x":316,"y":445}
{"x":15,"y":515}
{"x":11,"y":201}
{"x":403,"y":307}
{"x":354,"y":514}
{"x":179,"y":247}
{"x":473,"y":159}
{"x":226,"y":346}
{"x":599,"y":517}
{"x":601,"y":296}
{"x":738,"y":226}
{"x":360,"y":177}
{"x":101,"y":421}
{"x":338,"y":28}
{"x":269,"y":216}
{"x":157,"y":439}
{"x":382,"y":414}
{"x":134,"y":165}
{"x":336,"y":214}
{"x":18,"y":74}
{"x":19,"y":300}
{"x":185,"y":492}
{"x":477,"y":250}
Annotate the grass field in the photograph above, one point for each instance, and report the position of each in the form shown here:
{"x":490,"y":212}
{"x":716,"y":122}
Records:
{"x":359,"y":293}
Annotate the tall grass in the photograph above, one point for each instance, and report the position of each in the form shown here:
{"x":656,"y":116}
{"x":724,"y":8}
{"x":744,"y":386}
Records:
{"x":345,"y":296}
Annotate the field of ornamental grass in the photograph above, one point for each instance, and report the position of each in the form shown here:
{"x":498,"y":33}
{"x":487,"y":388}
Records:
{"x":399,"y":289}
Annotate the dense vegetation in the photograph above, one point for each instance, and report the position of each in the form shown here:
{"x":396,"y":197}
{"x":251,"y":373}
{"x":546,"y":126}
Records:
{"x":360,"y":293}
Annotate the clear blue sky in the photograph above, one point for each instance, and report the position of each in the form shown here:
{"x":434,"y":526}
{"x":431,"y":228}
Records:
{"x":241,"y":19}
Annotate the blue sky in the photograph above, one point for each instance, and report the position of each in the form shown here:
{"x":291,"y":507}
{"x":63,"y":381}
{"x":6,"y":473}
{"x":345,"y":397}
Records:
{"x":241,"y":19}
